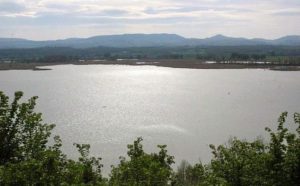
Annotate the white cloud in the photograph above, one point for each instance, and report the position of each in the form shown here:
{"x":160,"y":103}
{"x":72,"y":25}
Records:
{"x":192,"y":18}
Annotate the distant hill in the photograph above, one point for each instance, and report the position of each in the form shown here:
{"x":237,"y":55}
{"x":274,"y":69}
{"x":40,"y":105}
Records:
{"x":146,"y":40}
{"x":220,"y":40}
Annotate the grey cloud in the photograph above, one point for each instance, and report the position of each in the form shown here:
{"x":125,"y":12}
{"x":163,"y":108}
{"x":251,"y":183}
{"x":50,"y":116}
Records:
{"x":114,"y":12}
{"x":74,"y":13}
{"x":73,"y":20}
{"x":57,"y":6}
{"x":189,"y":17}
{"x":287,"y":13}
{"x":11,"y":7}
{"x":187,"y":9}
{"x":151,"y":10}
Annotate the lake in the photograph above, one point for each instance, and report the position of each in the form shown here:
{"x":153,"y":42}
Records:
{"x":108,"y":106}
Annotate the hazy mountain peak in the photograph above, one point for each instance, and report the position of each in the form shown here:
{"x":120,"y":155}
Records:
{"x":146,"y":40}
{"x":219,"y":36}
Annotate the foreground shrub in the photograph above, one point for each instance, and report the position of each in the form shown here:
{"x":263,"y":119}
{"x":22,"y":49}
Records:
{"x":250,"y":163}
{"x":142,"y":168}
{"x":26,"y":158}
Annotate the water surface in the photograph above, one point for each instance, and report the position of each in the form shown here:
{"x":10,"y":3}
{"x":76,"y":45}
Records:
{"x":108,"y":106}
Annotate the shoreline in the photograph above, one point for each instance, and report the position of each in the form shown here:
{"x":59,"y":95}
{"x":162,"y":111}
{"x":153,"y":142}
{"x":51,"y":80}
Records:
{"x":190,"y":64}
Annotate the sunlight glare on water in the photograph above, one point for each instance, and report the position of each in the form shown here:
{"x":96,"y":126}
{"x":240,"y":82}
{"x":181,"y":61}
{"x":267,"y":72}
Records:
{"x":108,"y":106}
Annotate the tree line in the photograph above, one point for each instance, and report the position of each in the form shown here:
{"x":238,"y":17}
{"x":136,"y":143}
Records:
{"x":26,"y":158}
{"x":278,"y":54}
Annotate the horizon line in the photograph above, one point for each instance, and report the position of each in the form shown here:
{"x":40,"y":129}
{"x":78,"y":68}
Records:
{"x":239,"y":37}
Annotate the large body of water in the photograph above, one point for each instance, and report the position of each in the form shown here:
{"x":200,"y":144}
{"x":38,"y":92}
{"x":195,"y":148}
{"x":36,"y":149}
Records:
{"x":187,"y":109}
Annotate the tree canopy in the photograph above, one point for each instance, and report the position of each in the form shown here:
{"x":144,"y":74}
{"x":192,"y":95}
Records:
{"x":27,"y":158}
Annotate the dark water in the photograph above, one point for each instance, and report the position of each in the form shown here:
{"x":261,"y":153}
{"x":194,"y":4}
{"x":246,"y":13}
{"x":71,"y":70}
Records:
{"x":187,"y":109}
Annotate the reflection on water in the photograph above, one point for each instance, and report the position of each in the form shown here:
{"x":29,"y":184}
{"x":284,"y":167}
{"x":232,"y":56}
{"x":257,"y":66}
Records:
{"x":109,"y":106}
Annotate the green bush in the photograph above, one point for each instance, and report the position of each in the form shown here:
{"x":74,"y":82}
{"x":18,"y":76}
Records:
{"x":142,"y":168}
{"x":26,"y":158}
{"x":251,"y":163}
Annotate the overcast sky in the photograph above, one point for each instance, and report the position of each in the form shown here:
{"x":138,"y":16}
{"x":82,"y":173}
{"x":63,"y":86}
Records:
{"x":57,"y":19}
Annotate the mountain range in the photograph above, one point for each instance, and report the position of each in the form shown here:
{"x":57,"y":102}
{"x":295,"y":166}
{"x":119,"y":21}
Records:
{"x":146,"y":40}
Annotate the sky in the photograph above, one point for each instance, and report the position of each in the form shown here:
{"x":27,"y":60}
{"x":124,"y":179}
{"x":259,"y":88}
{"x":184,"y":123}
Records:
{"x":59,"y":19}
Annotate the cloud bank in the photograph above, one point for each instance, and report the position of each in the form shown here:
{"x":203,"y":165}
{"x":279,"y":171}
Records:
{"x":56,"y":19}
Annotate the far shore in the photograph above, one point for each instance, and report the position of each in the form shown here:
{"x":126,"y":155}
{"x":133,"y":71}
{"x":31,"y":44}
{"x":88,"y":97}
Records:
{"x":192,"y":64}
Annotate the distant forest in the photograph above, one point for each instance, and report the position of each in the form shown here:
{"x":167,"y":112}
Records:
{"x":275,"y":54}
